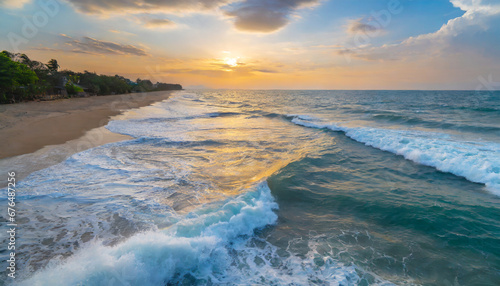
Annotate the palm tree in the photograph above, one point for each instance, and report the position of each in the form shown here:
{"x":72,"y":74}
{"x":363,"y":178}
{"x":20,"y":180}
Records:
{"x":53,"y":66}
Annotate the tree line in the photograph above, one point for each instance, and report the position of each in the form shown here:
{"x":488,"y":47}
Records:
{"x":23,"y":79}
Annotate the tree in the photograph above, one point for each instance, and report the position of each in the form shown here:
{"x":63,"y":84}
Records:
{"x":73,"y":78}
{"x":24,"y":76}
{"x":7,"y":75}
{"x":53,"y":66}
{"x":73,"y":89}
{"x":144,"y":85}
{"x":16,"y":80}
{"x":8,"y":54}
{"x":24,"y":79}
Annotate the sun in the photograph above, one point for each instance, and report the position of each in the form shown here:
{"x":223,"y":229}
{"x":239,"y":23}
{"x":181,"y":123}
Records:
{"x":231,"y":61}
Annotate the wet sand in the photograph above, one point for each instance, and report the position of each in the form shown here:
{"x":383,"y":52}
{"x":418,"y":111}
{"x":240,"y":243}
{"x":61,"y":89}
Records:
{"x":36,"y":135}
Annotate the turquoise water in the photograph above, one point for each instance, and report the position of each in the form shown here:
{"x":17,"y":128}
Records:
{"x":276,"y":188}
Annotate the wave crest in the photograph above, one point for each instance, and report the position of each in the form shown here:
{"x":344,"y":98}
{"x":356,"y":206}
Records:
{"x":478,"y":162}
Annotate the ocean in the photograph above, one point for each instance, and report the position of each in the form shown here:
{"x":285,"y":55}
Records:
{"x":239,"y":187}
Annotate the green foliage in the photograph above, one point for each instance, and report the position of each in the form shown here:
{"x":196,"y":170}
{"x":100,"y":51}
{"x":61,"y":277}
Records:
{"x":16,"y":80}
{"x":24,"y":79}
{"x":7,"y":66}
{"x":168,"y":86}
{"x":144,"y":85}
{"x":73,"y":89}
{"x":147,"y":85}
{"x":103,"y":84}
{"x":74,"y":78}
{"x":8,"y":54}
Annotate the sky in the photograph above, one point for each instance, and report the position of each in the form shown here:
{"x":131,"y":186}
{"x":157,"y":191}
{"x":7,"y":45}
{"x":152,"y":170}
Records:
{"x":266,"y":44}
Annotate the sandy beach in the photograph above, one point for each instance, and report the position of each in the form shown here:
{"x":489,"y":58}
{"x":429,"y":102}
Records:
{"x":36,"y":135}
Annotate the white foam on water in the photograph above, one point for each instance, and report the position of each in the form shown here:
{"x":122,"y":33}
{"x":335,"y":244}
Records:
{"x":478,"y":162}
{"x":214,"y":244}
{"x":174,"y":119}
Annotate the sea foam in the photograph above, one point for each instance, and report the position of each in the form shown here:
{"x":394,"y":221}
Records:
{"x":210,"y":245}
{"x":478,"y":162}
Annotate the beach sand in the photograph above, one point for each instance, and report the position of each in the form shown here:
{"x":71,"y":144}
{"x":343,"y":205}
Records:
{"x":36,"y":135}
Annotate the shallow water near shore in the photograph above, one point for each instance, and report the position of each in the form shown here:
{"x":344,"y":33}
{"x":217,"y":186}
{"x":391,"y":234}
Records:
{"x":275,"y":188}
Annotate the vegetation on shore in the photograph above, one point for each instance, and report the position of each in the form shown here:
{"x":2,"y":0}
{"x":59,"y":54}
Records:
{"x":23,"y":79}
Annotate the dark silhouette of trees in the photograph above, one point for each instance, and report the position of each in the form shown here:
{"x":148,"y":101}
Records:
{"x":53,"y":65}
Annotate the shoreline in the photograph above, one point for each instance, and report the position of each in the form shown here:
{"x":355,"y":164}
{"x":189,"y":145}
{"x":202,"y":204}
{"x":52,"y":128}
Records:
{"x":29,"y":126}
{"x":37,"y":135}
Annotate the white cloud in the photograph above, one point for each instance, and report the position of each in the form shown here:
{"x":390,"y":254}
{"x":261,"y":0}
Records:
{"x":484,"y":6}
{"x":478,"y":23}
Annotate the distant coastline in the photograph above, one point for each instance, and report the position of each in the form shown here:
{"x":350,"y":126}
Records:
{"x":23,"y":79}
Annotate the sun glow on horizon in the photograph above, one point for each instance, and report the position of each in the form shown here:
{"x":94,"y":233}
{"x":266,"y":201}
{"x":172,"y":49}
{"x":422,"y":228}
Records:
{"x":233,"y":62}
{"x":270,"y":44}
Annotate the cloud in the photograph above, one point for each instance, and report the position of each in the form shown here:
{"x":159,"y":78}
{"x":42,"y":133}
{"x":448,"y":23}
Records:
{"x":94,"y":46}
{"x":76,"y":51}
{"x":45,"y":49}
{"x":465,"y":34}
{"x":328,"y":46}
{"x":484,"y":6}
{"x":258,"y":19}
{"x":13,"y":4}
{"x":218,"y":68}
{"x":203,"y":72}
{"x":155,"y":21}
{"x":266,"y":71}
{"x":360,"y":26}
{"x":54,"y":50}
{"x":345,"y":52}
{"x":158,"y":23}
{"x":265,"y":16}
{"x":122,"y":32}
{"x":140,"y":6}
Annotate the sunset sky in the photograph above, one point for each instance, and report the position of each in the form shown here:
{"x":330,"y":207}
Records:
{"x":294,"y":44}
